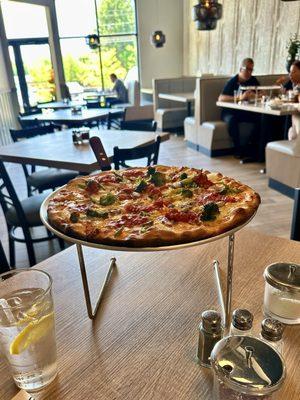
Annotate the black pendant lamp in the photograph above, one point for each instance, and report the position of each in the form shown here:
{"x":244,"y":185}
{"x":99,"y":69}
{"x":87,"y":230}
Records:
{"x":92,"y":41}
{"x":158,"y":39}
{"x":206,"y":13}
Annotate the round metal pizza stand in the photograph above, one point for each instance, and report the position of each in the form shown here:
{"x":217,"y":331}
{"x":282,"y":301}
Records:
{"x":225,"y":300}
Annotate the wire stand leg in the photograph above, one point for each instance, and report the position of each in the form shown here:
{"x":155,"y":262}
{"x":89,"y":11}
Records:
{"x":225,"y":305}
{"x":92,"y":313}
{"x":229,"y":281}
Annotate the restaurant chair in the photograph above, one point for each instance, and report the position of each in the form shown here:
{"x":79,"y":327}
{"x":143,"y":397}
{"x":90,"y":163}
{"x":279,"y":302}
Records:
{"x":295,"y":231}
{"x":139,"y":118}
{"x":27,"y":124}
{"x":24,"y":214}
{"x":113,"y":120}
{"x":100,"y":153}
{"x":149,"y":126}
{"x":93,"y":102}
{"x":149,"y":151}
{"x":4,"y":266}
{"x":47,"y":178}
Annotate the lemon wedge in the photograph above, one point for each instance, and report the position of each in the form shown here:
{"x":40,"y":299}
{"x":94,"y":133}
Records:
{"x":33,"y":332}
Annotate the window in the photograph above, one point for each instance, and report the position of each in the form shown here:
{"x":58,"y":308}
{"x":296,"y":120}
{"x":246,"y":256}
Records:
{"x":24,"y":20}
{"x":114,"y":21}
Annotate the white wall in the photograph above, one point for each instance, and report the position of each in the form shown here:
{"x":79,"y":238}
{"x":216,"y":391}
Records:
{"x":165,"y":15}
{"x":249,"y":28}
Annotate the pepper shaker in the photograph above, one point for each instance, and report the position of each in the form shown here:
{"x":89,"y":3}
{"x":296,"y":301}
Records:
{"x":210,"y":332}
{"x":242,"y":321}
{"x":271,"y":332}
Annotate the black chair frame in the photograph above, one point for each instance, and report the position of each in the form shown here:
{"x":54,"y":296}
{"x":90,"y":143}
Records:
{"x":27,"y":133}
{"x":4,"y":266}
{"x":149,"y":151}
{"x":139,"y":125}
{"x":9,"y":198}
{"x":295,"y":230}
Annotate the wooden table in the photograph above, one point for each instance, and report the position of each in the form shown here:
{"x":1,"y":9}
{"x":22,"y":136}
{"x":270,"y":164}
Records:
{"x":184,"y":97}
{"x":67,"y":118}
{"x":265,"y":134}
{"x":57,"y":149}
{"x":60,"y":105}
{"x":261,"y":109}
{"x":142,"y":344}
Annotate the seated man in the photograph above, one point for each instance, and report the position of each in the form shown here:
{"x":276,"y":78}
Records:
{"x":234,"y":117}
{"x":120,"y":90}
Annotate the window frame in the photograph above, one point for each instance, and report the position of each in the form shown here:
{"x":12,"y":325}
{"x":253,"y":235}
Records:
{"x":129,"y":34}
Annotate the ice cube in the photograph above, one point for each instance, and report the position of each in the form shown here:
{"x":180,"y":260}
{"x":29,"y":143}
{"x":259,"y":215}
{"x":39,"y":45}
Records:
{"x":7,"y":311}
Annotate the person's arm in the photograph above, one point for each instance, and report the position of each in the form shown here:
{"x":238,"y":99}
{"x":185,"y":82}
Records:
{"x":228,"y":91}
{"x":225,"y":97}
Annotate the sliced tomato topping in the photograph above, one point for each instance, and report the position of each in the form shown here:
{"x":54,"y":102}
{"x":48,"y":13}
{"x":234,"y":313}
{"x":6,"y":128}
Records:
{"x":133,"y":173}
{"x":179,"y":216}
{"x":202,"y":180}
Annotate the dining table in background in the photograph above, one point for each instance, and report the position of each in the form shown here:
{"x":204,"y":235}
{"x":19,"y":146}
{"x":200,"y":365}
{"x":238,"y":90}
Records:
{"x":61,"y":105}
{"x":67,"y":117}
{"x":57,"y":149}
{"x":142,"y":344}
{"x":264,"y":110}
{"x":185,"y":97}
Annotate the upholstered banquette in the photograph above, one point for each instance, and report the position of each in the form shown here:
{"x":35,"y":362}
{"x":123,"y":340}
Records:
{"x":170,"y":114}
{"x":206,"y":132}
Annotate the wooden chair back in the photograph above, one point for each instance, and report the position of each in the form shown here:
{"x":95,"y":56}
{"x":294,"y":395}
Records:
{"x":100,"y":154}
{"x":149,"y":151}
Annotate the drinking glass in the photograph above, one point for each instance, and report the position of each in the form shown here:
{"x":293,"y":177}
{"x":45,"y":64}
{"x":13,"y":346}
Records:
{"x":27,"y":331}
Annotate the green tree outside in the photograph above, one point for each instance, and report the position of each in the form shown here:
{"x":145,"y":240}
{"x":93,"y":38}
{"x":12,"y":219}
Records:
{"x":118,"y":54}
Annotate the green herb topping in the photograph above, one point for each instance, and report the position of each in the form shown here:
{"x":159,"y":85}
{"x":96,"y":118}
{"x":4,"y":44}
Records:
{"x":141,"y":186}
{"x":108,"y":199}
{"x":158,"y":179}
{"x":96,"y":213}
{"x":186,"y":193}
{"x":74,"y":217}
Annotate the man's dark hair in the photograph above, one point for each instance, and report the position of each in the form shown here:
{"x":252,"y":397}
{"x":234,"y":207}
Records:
{"x":114,"y":76}
{"x":245,"y":61}
{"x":297,"y":64}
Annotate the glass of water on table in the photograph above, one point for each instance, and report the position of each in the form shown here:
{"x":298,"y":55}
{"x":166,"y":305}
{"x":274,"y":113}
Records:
{"x":27,"y":330}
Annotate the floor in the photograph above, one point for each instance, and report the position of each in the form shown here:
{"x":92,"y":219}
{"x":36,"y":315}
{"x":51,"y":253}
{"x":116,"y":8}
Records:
{"x":273,"y":216}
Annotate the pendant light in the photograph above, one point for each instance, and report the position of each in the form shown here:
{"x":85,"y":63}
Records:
{"x":206,"y":13}
{"x":92,"y":41}
{"x":158,"y":38}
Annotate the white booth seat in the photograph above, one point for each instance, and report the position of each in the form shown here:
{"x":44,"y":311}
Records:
{"x":134,"y":97}
{"x":170,"y":114}
{"x":138,"y":113}
{"x":206,"y":132}
{"x":283,"y":165}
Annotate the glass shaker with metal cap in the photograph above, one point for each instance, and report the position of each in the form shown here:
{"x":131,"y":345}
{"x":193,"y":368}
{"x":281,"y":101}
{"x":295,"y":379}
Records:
{"x":210,"y":332}
{"x":242,"y":321}
{"x":282,"y":292}
{"x":272,"y":331}
{"x":246,"y":368}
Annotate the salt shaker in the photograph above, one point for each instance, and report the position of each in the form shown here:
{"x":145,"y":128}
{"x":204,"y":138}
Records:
{"x":271,"y":332}
{"x":210,"y":332}
{"x":242,"y":321}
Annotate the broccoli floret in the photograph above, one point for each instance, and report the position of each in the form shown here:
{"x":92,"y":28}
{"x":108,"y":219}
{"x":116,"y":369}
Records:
{"x":210,"y":211}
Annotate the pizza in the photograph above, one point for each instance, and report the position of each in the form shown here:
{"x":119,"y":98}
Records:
{"x":152,"y":206}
